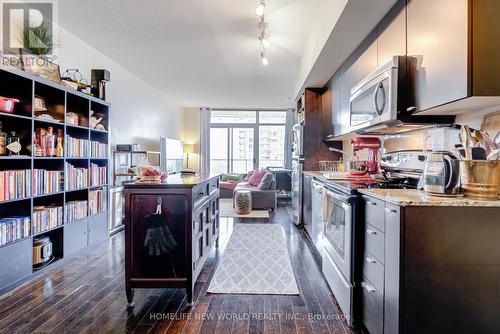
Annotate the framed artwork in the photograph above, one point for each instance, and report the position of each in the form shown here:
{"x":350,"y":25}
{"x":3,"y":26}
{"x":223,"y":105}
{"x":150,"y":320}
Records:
{"x":40,"y":65}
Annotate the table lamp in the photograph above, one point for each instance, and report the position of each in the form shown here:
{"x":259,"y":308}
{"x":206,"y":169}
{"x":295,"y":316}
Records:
{"x":188,"y":148}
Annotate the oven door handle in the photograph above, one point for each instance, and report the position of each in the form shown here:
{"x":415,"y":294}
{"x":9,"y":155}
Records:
{"x":338,"y":197}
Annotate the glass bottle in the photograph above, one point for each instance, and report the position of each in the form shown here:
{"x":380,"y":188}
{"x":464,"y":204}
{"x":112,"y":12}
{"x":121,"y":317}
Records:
{"x":59,"y":147}
{"x":3,"y":141}
{"x":13,"y":144}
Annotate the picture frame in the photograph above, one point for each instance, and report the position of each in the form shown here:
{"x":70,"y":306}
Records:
{"x":40,"y":65}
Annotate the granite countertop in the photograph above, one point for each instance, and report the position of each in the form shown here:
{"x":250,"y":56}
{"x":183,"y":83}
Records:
{"x":413,"y":197}
{"x":174,"y":181}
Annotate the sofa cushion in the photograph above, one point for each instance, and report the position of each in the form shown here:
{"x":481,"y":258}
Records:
{"x":257,"y":177}
{"x":266,"y":182}
{"x":249,"y":175}
{"x":230,"y":185}
{"x":231,"y":177}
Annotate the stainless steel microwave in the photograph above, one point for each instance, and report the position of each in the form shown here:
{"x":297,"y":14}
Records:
{"x":382,"y":103}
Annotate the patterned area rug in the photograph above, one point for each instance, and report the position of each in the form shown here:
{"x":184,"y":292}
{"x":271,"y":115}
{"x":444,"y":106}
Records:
{"x":255,"y":261}
{"x":227,"y":210}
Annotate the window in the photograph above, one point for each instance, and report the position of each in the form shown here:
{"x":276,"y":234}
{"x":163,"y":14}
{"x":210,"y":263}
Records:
{"x":242,"y":140}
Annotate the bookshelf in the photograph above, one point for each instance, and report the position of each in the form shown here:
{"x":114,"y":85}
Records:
{"x":74,"y":215}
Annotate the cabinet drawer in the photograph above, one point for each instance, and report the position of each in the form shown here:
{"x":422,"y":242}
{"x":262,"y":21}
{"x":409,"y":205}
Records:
{"x":373,"y":308}
{"x":213,"y":185}
{"x":374,"y":242}
{"x":199,"y":192}
{"x":374,"y":212}
{"x":373,"y":270}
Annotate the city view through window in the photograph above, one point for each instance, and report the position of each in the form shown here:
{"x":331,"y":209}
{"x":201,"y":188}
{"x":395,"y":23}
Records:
{"x":245,"y":140}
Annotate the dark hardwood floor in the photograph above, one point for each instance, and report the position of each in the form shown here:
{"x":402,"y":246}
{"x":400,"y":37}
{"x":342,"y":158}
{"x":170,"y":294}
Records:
{"x":85,"y":294}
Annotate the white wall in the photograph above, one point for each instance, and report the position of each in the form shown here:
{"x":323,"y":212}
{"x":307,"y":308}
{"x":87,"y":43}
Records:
{"x":190,"y":134}
{"x":140,"y":113}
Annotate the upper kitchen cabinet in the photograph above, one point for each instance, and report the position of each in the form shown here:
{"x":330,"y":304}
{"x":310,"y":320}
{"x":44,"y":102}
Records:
{"x":457,"y":46}
{"x":361,"y":63}
{"x":337,"y":121}
{"x":391,"y":30}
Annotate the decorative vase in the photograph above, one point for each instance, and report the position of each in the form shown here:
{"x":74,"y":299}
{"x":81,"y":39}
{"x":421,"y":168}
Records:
{"x":243,"y":202}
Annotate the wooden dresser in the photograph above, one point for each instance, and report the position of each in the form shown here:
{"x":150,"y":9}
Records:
{"x":170,"y":228}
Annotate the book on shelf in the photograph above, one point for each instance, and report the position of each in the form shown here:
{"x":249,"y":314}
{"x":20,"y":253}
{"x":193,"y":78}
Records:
{"x":15,"y":184}
{"x":46,"y":218}
{"x":47,"y":181}
{"x":75,"y":210}
{"x":98,"y":201}
{"x":14,"y":228}
{"x":98,"y":175}
{"x":98,"y":149}
{"x":76,"y":177}
{"x":77,"y":148}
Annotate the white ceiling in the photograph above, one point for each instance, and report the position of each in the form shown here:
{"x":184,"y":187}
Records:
{"x":200,"y":52}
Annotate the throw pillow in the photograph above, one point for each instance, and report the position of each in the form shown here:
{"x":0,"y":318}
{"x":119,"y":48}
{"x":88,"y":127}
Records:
{"x":265,"y":183}
{"x":231,"y":177}
{"x":249,"y":175}
{"x":257,"y":177}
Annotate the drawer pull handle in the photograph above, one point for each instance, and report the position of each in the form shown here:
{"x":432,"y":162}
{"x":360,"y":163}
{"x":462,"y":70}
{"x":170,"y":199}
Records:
{"x":370,"y":288}
{"x":370,"y":232}
{"x":370,"y":260}
{"x":371,"y":203}
{"x":388,"y":210}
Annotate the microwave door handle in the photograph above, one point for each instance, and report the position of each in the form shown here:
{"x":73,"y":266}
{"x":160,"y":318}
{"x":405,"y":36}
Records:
{"x":380,"y":87}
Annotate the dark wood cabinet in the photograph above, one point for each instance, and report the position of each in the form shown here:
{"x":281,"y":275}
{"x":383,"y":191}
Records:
{"x":429,"y":270}
{"x":170,"y":229}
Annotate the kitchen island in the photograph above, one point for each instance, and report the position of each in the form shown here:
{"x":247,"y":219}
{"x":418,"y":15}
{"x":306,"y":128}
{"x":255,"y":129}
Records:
{"x":170,"y":228}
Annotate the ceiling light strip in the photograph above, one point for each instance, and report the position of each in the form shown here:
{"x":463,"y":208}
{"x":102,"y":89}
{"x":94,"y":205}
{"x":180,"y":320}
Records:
{"x":262,"y":27}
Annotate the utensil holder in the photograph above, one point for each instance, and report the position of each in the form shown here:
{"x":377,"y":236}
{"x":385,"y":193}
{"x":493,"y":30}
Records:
{"x":480,"y":179}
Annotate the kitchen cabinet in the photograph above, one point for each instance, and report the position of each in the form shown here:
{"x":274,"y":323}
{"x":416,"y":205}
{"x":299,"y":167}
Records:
{"x":338,"y":125}
{"x":457,"y":46}
{"x":437,"y":38}
{"x":422,"y":265}
{"x":391,"y":34}
{"x":358,"y":65}
{"x":317,"y":221}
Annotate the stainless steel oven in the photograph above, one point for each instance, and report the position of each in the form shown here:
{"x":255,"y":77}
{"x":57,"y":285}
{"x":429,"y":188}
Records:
{"x":337,"y":253}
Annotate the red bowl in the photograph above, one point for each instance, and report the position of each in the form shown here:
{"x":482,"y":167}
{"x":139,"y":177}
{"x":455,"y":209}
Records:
{"x":7,"y":104}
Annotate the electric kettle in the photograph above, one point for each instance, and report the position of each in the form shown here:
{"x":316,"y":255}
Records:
{"x":442,"y":174}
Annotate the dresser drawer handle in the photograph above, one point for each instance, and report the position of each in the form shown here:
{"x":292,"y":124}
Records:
{"x":370,"y":260}
{"x":371,"y":203}
{"x":388,"y":210}
{"x":370,"y":288}
{"x":370,"y":232}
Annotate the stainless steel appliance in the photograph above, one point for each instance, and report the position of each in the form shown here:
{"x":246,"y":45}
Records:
{"x":382,"y":103}
{"x":442,"y":174}
{"x":307,"y":211}
{"x":298,"y":141}
{"x":338,"y":248}
{"x":297,"y":168}
{"x":317,"y":225}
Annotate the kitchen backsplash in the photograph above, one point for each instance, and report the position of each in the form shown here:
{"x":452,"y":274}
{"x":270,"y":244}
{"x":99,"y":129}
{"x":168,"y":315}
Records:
{"x":442,"y":139}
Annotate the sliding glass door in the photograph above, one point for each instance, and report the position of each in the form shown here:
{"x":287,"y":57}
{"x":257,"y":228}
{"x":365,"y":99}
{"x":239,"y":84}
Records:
{"x":244,"y":140}
{"x":232,"y":149}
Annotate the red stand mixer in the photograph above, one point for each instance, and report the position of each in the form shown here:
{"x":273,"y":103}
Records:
{"x":371,"y":166}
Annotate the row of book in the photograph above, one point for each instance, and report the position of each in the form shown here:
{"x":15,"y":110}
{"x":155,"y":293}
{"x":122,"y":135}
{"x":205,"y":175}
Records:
{"x":14,"y":228}
{"x":75,"y":210}
{"x":76,"y":177}
{"x":47,"y":181}
{"x":98,"y":201}
{"x":46,"y":218}
{"x":15,"y":184}
{"x":98,"y":175}
{"x":98,"y":149}
{"x":77,"y":148}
